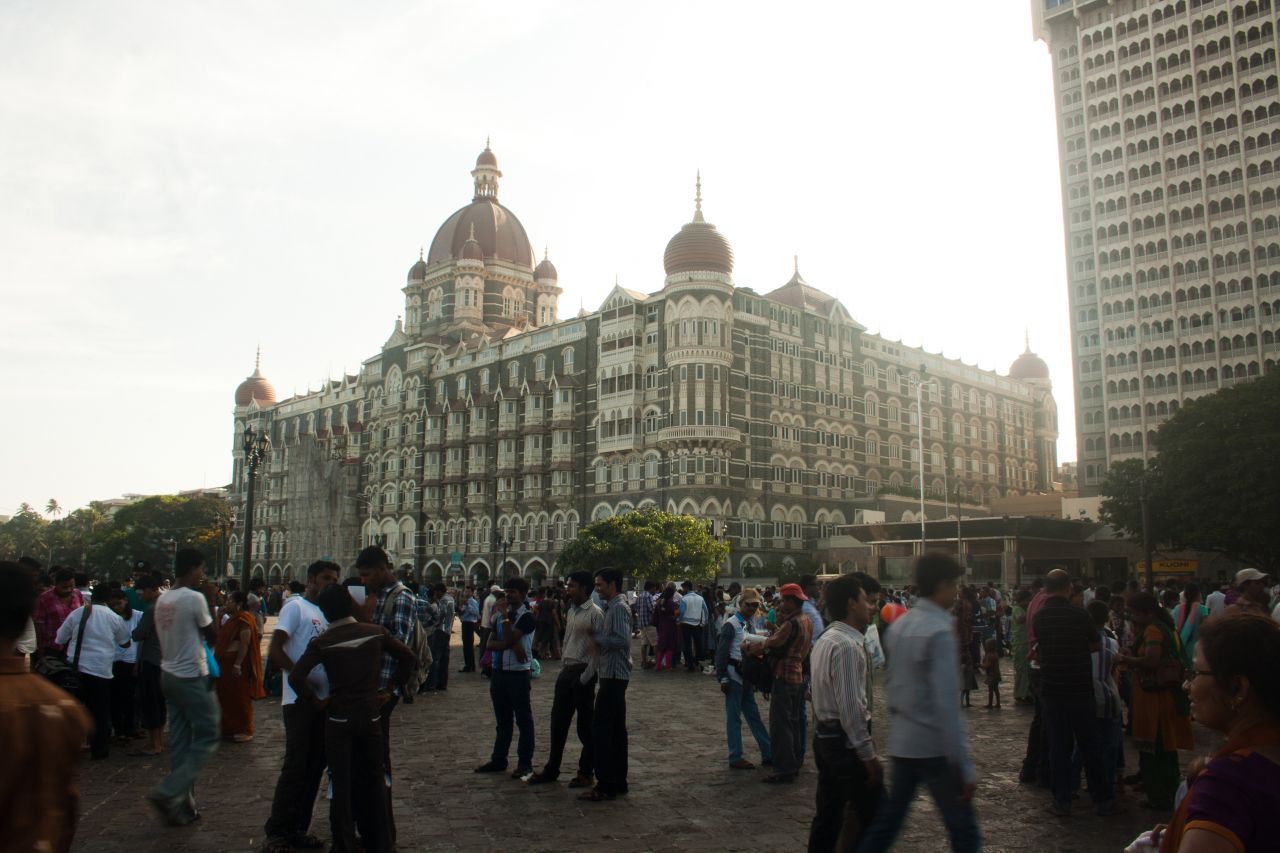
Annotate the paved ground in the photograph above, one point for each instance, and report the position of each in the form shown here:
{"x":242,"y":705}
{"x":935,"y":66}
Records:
{"x":683,"y":795}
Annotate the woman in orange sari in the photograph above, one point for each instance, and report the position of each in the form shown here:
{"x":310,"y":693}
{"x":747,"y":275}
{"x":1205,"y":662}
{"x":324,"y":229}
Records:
{"x":1161,"y":712}
{"x":240,"y":668}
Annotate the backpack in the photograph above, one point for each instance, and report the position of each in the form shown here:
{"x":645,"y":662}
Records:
{"x":422,"y":649}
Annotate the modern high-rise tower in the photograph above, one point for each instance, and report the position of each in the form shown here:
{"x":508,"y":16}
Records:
{"x":1169,"y":148}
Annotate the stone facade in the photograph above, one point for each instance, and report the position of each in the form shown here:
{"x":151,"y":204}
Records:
{"x":488,"y":429}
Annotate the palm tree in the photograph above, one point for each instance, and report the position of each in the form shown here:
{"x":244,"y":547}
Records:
{"x":53,"y":508}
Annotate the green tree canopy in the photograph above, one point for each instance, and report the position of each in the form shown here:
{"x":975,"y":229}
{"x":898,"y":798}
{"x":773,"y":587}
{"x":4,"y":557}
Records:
{"x":88,"y":538}
{"x":1215,"y":484}
{"x":648,"y":544}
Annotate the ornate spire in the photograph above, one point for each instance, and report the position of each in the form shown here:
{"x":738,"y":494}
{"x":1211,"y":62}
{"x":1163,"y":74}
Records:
{"x":697,"y":200}
{"x":1026,"y":337}
{"x":796,"y":258}
{"x":257,"y":359}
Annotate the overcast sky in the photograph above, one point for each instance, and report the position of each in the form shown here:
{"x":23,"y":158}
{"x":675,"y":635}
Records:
{"x":180,"y":182}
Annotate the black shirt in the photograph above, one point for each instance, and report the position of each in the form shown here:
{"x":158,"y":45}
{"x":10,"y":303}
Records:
{"x":351,"y":653}
{"x":1064,"y":639}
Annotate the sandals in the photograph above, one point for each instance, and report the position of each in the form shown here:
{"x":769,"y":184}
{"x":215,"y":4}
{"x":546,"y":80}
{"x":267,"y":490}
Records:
{"x":595,"y":795}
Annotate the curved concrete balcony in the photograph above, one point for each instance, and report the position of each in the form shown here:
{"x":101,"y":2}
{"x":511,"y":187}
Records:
{"x":704,"y":434}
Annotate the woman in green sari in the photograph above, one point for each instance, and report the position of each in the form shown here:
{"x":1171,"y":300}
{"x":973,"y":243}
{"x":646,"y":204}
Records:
{"x":1018,"y":644}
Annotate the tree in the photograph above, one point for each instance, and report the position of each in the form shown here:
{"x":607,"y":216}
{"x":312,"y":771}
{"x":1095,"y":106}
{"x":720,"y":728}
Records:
{"x":1216,"y":482}
{"x":53,"y":508}
{"x":649,"y":544}
{"x":26,"y":533}
{"x":154,"y":528}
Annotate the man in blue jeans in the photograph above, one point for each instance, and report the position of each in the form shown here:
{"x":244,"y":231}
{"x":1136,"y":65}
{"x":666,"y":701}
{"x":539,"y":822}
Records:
{"x":183,"y":625}
{"x":740,"y":697}
{"x":927,"y":742}
{"x":512,"y":645}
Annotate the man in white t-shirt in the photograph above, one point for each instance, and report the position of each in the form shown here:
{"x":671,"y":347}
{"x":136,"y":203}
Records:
{"x":1217,"y":602}
{"x":183,"y":625}
{"x":103,"y":634}
{"x":300,"y":622}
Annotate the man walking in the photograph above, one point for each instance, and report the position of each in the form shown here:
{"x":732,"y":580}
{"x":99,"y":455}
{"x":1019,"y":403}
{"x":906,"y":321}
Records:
{"x":394,"y":608}
{"x":792,"y":640}
{"x":300,"y":622}
{"x":849,"y":773}
{"x":740,"y":697}
{"x":644,"y":622}
{"x":511,"y":643}
{"x":575,"y":690}
{"x":693,"y":615}
{"x":1066,"y":638}
{"x":927,"y":742}
{"x":612,"y":644}
{"x":184,"y":625}
{"x":469,"y":616}
{"x":446,"y":610}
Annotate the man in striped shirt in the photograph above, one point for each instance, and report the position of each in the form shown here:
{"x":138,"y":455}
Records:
{"x":612,"y":647}
{"x":849,"y":772}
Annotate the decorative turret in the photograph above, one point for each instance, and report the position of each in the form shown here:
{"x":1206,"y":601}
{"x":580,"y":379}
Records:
{"x":698,"y":246}
{"x":256,"y":387}
{"x":486,"y":174}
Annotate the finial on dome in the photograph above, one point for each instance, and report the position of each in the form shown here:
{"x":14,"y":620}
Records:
{"x":1026,"y":337}
{"x":796,"y":258}
{"x":546,"y":254}
{"x":419,"y":252}
{"x":697,"y":199}
{"x":257,"y":359}
{"x":486,"y":140}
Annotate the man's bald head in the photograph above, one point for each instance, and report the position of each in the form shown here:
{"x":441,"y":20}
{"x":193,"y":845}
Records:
{"x":1057,"y":582}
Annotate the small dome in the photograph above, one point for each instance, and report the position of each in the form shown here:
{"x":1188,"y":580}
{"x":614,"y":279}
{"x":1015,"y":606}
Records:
{"x":256,"y":387}
{"x":546,"y":269}
{"x":487,"y":158}
{"x":698,"y":246}
{"x":418,"y":272}
{"x":1029,"y":366}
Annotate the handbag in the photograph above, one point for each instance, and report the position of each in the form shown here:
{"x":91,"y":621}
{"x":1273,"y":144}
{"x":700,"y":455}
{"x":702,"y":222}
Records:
{"x":57,"y":669}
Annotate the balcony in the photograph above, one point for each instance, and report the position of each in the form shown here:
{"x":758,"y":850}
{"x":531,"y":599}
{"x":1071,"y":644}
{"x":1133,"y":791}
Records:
{"x":508,"y":424}
{"x":619,"y":443}
{"x":433,"y":438}
{"x":702,"y":434}
{"x":479,"y":431}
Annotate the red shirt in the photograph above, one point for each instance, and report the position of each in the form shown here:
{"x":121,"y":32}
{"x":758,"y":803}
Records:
{"x":49,"y":614}
{"x":1033,"y":608}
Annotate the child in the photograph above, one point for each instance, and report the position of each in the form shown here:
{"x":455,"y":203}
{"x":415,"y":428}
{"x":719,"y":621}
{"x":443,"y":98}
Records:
{"x":991,"y":668}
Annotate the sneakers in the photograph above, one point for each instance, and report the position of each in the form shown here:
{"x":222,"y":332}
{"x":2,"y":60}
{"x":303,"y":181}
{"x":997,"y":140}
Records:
{"x":541,"y":779}
{"x":521,"y":772}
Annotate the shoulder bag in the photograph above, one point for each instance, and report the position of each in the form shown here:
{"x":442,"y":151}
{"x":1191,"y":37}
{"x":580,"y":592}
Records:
{"x":60,"y":671}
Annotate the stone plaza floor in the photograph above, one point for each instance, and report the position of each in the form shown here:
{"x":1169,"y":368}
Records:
{"x":683,"y":795}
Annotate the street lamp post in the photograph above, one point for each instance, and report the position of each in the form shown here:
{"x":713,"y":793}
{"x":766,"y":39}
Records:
{"x":255,"y":446}
{"x":919,"y":383}
{"x":500,"y":543}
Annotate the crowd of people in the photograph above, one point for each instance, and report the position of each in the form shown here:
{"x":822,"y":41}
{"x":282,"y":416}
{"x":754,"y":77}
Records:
{"x":1102,"y":669}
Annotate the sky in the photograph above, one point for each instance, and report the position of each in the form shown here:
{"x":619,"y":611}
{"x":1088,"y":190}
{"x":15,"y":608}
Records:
{"x":183,"y":182}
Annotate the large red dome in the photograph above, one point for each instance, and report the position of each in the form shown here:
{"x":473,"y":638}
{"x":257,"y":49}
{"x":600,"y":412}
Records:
{"x":497,"y":230}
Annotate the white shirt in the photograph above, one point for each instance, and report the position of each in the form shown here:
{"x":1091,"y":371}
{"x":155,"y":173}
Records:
{"x":839,"y":685}
{"x":1217,"y":602}
{"x":130,"y":655}
{"x":102,"y":635}
{"x":303,"y":622}
{"x":181,"y":613}
{"x":27,"y":643}
{"x":486,"y":611}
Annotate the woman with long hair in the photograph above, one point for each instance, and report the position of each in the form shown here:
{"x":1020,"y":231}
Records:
{"x":239,"y":666}
{"x":1187,"y":617}
{"x":1161,"y":716}
{"x":665,"y":617}
{"x":1233,"y":802}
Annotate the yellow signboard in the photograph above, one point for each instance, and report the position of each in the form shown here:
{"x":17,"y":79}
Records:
{"x":1172,"y":567}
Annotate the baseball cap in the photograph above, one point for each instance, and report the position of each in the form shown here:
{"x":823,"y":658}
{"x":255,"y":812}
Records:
{"x":1246,"y":575}
{"x":793,"y":590}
